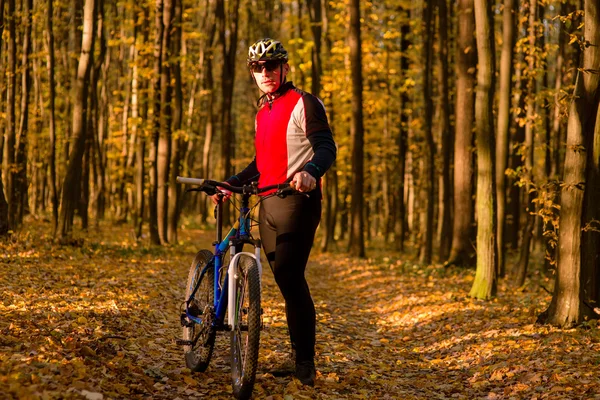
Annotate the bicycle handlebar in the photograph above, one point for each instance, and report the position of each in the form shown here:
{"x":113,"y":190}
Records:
{"x":282,"y":188}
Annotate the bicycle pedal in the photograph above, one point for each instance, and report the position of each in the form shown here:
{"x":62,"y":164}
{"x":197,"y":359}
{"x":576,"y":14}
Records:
{"x":181,"y":342}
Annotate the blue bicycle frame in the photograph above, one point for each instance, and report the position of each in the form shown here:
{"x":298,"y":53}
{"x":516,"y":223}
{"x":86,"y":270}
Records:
{"x":238,"y":234}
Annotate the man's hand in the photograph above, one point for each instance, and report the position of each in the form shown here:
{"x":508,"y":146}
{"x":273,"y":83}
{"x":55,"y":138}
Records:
{"x":216,"y":198}
{"x":303,"y":182}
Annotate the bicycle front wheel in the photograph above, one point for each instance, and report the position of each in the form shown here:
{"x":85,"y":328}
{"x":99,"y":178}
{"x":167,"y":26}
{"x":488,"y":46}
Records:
{"x":202,"y":335}
{"x":245,"y":334}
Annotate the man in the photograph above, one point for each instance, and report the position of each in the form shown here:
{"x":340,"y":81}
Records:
{"x":293,"y":144}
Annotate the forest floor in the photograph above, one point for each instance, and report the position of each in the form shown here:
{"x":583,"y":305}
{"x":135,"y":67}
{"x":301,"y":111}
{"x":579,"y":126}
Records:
{"x":99,"y":321}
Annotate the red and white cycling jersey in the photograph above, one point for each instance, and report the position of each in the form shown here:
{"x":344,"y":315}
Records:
{"x":292,"y":134}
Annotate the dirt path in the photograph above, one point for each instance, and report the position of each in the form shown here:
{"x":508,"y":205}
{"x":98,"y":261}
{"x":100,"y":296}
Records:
{"x":100,"y":322}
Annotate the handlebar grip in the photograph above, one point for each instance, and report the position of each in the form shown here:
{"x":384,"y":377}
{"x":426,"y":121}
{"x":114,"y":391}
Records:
{"x":190,"y":181}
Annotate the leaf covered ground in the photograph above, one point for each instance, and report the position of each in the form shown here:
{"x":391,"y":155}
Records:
{"x":99,"y":322}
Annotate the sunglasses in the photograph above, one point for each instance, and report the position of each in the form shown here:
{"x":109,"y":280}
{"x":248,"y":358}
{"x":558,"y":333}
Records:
{"x":269,"y":66}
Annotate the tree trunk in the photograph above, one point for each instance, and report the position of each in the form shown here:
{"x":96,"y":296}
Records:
{"x":74,"y":47}
{"x":445,"y":230}
{"x":527,"y":235}
{"x":504,"y":98}
{"x":590,"y":240}
{"x":2,"y":86}
{"x":316,"y":20}
{"x":557,"y":125}
{"x":139,"y":125}
{"x":484,"y":286}
{"x":3,"y":204}
{"x":155,"y":237}
{"x":164,"y":138}
{"x":356,"y":244}
{"x":99,"y":107}
{"x":10,"y":135}
{"x":208,"y":131}
{"x":401,"y":142}
{"x":576,"y":288}
{"x":429,"y":160}
{"x":177,"y":149}
{"x":18,"y":194}
{"x":462,"y":250}
{"x":51,"y":115}
{"x":70,"y":193}
{"x":228,"y":38}
{"x":513,"y":219}
{"x":84,"y":196}
{"x":330,"y":183}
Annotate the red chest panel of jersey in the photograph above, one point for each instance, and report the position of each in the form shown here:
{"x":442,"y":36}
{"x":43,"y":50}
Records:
{"x":273,"y":125}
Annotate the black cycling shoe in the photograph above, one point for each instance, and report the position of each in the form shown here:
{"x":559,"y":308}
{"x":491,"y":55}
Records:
{"x":305,"y":372}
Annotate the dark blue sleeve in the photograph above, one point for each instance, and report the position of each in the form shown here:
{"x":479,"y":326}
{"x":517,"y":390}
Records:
{"x":247,"y":175}
{"x":320,"y":137}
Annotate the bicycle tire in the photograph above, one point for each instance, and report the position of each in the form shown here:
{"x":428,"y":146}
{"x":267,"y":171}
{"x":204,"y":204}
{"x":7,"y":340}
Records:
{"x":198,"y":357}
{"x":245,"y":336}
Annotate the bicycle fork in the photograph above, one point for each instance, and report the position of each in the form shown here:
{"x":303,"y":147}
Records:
{"x":233,"y":273}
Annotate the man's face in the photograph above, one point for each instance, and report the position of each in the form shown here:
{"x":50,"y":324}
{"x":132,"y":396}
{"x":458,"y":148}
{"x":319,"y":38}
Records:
{"x":269,"y":74}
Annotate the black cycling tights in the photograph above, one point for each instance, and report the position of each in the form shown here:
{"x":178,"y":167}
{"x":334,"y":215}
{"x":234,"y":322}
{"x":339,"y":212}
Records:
{"x":287,"y":230}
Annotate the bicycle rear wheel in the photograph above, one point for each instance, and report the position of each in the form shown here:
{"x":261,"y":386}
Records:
{"x":197,"y":356}
{"x":245,"y":335}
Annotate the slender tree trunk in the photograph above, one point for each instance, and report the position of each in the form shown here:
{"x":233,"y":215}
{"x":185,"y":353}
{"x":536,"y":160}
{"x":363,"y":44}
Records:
{"x":557,"y":126}
{"x":125,"y":163}
{"x":139,"y":127}
{"x":208,"y":131}
{"x":513,"y":220}
{"x":155,"y":237}
{"x":99,"y":107}
{"x":356,"y":244}
{"x":445,"y":230}
{"x":166,"y":117}
{"x":228,"y":38}
{"x":401,"y":143}
{"x":330,"y":183}
{"x":315,"y":14}
{"x":388,"y":161}
{"x":18,"y":196}
{"x":74,"y":46}
{"x":3,"y":204}
{"x":2,"y":85}
{"x":504,"y":98}
{"x":429,"y":161}
{"x":484,"y":285}
{"x":462,"y":249}
{"x":177,"y":149}
{"x":70,"y":193}
{"x":10,"y":135}
{"x":527,"y":235}
{"x":84,"y":196}
{"x":51,"y":115}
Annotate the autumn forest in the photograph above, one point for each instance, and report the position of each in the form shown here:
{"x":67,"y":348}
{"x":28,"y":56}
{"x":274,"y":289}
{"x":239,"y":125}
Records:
{"x":468,"y":162}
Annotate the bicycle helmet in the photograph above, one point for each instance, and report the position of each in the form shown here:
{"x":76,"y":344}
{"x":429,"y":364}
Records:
{"x":267,"y":49}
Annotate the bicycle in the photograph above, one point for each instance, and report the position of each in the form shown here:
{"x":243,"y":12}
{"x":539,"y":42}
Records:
{"x":237,"y":298}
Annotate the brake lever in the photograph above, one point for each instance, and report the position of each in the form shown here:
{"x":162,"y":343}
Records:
{"x":209,"y":190}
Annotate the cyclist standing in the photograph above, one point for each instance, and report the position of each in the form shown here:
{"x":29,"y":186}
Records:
{"x":293,"y":143}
